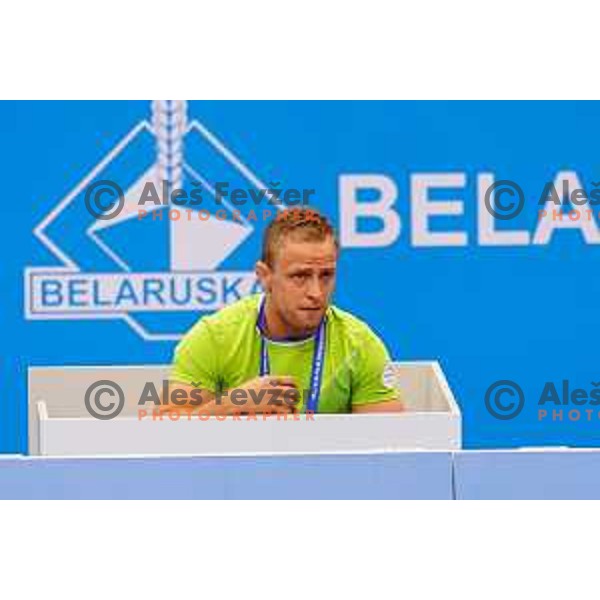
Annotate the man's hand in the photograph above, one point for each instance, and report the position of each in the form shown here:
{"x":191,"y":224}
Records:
{"x":269,"y":394}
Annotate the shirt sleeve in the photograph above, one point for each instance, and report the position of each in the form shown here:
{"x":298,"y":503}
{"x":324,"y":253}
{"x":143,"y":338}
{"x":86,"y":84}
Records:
{"x":195,"y":358}
{"x":369,"y":384}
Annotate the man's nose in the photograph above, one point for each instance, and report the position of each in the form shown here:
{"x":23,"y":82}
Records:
{"x":315,"y":288}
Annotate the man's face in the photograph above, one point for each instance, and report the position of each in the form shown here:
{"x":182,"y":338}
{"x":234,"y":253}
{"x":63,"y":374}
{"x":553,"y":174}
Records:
{"x":301,"y":281}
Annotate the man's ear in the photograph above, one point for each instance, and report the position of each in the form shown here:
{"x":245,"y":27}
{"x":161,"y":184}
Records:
{"x":264,"y":274}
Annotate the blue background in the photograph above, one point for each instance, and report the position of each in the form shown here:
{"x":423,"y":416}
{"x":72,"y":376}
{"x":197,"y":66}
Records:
{"x":527,"y":314}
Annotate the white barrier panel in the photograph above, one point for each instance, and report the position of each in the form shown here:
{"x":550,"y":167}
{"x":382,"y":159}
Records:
{"x":60,"y":424}
{"x":551,"y":473}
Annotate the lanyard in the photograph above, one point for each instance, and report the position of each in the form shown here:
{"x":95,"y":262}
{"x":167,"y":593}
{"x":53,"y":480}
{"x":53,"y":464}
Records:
{"x":317,"y":362}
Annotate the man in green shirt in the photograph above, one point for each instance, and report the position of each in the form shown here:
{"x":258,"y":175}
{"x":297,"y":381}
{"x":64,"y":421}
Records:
{"x":287,"y":350}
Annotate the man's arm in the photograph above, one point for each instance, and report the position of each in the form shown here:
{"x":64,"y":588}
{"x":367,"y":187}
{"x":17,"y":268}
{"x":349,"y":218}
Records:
{"x":184,"y":398}
{"x":388,"y":406}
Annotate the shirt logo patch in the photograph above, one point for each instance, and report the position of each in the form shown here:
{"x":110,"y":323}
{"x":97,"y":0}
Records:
{"x":389,"y":377}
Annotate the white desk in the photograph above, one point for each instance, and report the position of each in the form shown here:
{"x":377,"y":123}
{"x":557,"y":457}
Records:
{"x":60,"y":424}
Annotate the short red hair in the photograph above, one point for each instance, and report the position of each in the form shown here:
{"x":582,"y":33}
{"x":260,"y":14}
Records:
{"x":306,"y":224}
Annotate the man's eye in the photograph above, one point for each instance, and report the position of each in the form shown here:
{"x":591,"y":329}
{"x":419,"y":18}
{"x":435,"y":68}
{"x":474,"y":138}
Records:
{"x":299,"y":277}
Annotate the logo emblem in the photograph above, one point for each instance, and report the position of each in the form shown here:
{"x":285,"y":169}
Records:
{"x":157,"y":273}
{"x":389,"y":377}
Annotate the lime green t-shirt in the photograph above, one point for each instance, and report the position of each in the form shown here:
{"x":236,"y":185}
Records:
{"x":222,"y":351}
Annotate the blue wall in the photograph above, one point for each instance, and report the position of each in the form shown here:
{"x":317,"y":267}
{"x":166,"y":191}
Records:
{"x":526,"y":313}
